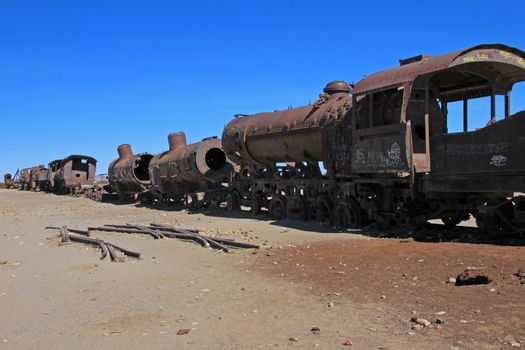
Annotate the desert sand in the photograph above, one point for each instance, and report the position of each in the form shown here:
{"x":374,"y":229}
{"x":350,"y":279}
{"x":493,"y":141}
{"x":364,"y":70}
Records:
{"x":306,"y":287}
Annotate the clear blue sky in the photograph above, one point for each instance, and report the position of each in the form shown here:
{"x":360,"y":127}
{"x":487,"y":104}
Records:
{"x":86,"y":76}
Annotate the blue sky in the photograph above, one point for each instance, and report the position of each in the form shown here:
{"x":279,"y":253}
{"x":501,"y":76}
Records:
{"x":86,"y":76}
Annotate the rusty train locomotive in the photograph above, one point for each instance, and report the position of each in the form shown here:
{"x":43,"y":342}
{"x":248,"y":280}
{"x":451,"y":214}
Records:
{"x":72,"y":174}
{"x":376,"y":151}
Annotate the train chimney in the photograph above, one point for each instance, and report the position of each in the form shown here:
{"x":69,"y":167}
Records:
{"x":176,"y":139}
{"x":124,"y":151}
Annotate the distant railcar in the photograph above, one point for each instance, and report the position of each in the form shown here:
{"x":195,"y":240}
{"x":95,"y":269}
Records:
{"x":75,"y":172}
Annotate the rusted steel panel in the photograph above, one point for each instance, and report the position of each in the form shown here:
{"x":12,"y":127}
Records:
{"x":129,"y":173}
{"x":381,"y":149}
{"x":35,"y":174}
{"x":495,"y":149}
{"x":409,"y":72}
{"x":25,"y":179}
{"x":75,"y":171}
{"x":52,"y":169}
{"x":184,"y":168}
{"x":505,"y":184}
{"x":41,"y":179}
{"x":293,"y":135}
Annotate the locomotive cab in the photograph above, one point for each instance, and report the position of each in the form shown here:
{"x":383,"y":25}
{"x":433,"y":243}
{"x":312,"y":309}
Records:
{"x":400,"y":129}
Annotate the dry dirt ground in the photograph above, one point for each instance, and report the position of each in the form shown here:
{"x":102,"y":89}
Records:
{"x":351,"y":286}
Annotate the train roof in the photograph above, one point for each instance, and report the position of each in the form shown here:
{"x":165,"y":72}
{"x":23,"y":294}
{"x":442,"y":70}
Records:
{"x":512,"y":70}
{"x":78,"y":156}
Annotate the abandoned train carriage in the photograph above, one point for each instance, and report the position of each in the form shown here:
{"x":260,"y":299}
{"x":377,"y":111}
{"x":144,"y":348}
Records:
{"x":386,"y":148}
{"x":74,"y":173}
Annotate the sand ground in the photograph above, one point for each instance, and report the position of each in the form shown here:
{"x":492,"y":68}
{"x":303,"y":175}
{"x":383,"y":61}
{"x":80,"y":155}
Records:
{"x":350,"y":286}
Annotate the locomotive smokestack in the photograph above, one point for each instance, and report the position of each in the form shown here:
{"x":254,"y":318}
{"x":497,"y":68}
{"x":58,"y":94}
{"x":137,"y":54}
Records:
{"x":337,"y":86}
{"x":124,"y":151}
{"x":176,"y":139}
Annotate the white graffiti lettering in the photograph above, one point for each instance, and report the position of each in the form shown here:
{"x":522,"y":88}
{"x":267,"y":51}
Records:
{"x":498,"y":160}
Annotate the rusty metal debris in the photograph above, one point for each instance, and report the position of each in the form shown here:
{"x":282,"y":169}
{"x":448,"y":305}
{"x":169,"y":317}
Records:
{"x":160,"y":231}
{"x":106,"y":248}
{"x":227,"y":242}
{"x":472,"y":276}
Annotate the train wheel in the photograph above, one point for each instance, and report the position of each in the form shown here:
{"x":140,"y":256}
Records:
{"x":214,"y":203}
{"x":348,"y":215}
{"x":193,"y":203}
{"x":232,"y":201}
{"x":297,"y":208}
{"x":492,"y":216}
{"x":256,"y":205}
{"x":451,"y":221}
{"x":323,"y":211}
{"x":485,"y":221}
{"x":277,"y":208}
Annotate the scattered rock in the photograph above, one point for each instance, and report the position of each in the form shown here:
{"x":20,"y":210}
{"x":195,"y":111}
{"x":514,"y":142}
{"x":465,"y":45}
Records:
{"x":521,"y":275}
{"x":315,"y":329}
{"x":293,"y":339}
{"x":347,"y":342}
{"x":420,"y":321}
{"x":440,"y":313}
{"x":183,"y":331}
{"x":451,"y":280}
{"x":512,"y":342}
{"x":470,"y":277}
{"x":330,"y":304}
{"x":439,"y":320}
